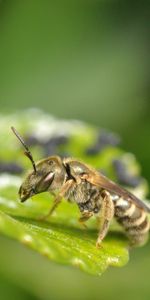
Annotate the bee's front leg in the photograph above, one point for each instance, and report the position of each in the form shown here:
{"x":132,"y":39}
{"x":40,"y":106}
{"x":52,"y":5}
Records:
{"x":107,"y":213}
{"x":57,"y":200}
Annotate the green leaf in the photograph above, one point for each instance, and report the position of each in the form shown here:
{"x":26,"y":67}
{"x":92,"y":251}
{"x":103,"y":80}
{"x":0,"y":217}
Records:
{"x":61,"y":238}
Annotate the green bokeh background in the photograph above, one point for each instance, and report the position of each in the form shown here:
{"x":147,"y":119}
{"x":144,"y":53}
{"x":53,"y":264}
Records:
{"x":89,"y":60}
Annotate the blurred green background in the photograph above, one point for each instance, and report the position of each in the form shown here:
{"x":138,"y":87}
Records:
{"x":89,"y":60}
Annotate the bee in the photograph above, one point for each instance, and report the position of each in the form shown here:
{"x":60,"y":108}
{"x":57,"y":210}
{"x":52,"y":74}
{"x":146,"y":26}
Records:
{"x":94,"y":194}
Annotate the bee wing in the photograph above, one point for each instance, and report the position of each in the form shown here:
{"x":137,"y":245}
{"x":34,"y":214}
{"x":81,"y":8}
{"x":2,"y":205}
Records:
{"x":104,"y":182}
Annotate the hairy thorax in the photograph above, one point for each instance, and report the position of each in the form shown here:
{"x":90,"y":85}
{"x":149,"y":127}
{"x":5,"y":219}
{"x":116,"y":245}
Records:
{"x":87,"y":197}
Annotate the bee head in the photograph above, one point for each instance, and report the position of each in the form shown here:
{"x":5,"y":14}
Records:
{"x":49,"y":176}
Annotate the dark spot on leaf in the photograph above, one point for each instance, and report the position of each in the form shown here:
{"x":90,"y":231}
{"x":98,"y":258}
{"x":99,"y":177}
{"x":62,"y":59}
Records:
{"x":57,"y":140}
{"x":50,"y":146}
{"x":31,"y":140}
{"x":50,"y":150}
{"x":104,"y":139}
{"x":10,"y":167}
{"x":123,"y":175}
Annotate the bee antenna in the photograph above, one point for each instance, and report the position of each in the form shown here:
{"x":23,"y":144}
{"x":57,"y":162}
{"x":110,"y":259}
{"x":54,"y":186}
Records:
{"x":27,"y":152}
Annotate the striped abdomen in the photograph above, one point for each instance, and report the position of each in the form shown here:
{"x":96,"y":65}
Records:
{"x":133,"y":219}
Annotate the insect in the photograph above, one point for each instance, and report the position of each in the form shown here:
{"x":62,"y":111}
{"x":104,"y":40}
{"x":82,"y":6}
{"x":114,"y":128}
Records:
{"x":94,"y":194}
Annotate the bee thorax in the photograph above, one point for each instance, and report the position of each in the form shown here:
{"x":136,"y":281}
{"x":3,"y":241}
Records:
{"x":86,"y":196}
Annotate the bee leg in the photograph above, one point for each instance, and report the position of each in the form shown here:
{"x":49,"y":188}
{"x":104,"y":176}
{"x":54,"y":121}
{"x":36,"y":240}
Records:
{"x":84,"y":217}
{"x":64,"y":190}
{"x":107,"y":213}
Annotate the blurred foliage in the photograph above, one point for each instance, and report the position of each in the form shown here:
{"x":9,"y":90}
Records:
{"x":85,"y":59}
{"x":64,"y":53}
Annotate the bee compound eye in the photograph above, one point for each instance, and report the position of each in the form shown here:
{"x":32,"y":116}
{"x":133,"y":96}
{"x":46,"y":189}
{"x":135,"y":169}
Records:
{"x":50,"y":162}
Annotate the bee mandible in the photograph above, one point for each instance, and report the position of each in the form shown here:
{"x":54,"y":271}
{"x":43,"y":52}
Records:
{"x":94,"y":194}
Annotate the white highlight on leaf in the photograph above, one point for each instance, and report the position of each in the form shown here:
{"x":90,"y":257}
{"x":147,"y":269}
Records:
{"x":42,"y":125}
{"x":77,"y":262}
{"x":9,"y":203}
{"x":49,"y":127}
{"x":113,"y":260}
{"x":27,"y":239}
{"x":9,"y":180}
